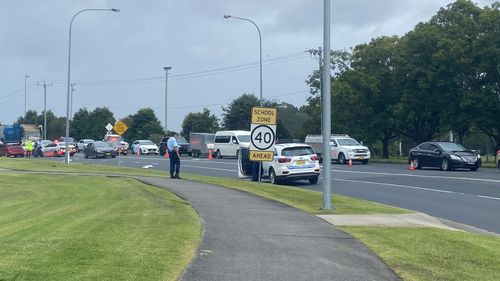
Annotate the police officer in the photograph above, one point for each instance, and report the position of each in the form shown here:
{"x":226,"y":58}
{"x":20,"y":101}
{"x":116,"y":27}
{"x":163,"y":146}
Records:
{"x":173,"y":151}
{"x":29,"y":148}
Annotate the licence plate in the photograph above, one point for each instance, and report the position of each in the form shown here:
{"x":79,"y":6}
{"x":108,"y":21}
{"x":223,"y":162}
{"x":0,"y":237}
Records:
{"x":301,"y":162}
{"x":361,"y":157}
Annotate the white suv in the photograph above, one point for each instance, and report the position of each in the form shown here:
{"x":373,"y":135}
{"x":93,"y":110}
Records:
{"x":344,"y":148}
{"x":292,"y":161}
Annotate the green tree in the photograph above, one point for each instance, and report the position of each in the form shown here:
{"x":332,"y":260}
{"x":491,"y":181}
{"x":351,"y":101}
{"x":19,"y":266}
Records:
{"x":143,"y":125}
{"x":86,"y":124}
{"x":201,"y":122}
{"x":237,"y":116}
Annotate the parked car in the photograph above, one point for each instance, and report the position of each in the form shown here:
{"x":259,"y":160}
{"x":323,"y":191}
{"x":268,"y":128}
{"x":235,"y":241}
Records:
{"x":181,"y":141}
{"x":57,"y":149}
{"x":99,"y":149}
{"x":14,"y":150}
{"x":117,"y":142}
{"x":82,"y":143}
{"x":41,"y":144}
{"x":145,"y":147}
{"x":342,"y":148}
{"x":497,"y":159}
{"x":70,"y":141}
{"x":291,"y":161}
{"x":444,"y":155}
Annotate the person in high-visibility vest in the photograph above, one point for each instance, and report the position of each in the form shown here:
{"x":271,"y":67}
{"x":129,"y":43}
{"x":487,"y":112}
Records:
{"x":29,"y":148}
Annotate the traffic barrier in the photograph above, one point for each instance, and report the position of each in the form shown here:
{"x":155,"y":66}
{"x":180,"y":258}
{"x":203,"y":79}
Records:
{"x":210,"y":154}
{"x":166,"y":154}
{"x":350,"y":162}
{"x":412,"y":166}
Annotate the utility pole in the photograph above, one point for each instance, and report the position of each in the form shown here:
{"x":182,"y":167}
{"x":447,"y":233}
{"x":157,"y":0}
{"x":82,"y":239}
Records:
{"x":166,"y":68}
{"x":318,"y":52}
{"x":327,"y":117}
{"x":25,"y":77}
{"x":39,"y":83}
{"x":71,"y":107}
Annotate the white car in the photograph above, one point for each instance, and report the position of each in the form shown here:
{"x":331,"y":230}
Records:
{"x":292,"y":161}
{"x":81,"y":144}
{"x":145,"y":147}
{"x":345,"y":148}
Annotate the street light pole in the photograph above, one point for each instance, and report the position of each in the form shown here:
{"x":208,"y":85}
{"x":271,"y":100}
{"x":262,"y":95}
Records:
{"x":260,"y":49}
{"x":69,"y":76}
{"x":166,"y":68}
{"x":327,"y":119}
{"x":44,"y":84}
{"x":260,"y":66}
{"x":71,"y":107}
{"x":25,"y":77}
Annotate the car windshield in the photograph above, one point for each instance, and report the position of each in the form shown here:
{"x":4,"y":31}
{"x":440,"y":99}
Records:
{"x":450,"y":146}
{"x":146,"y":142}
{"x":70,"y":139}
{"x":347,"y":142}
{"x":297,"y":151}
{"x":101,"y":144}
{"x":181,"y":140}
{"x":244,"y":138}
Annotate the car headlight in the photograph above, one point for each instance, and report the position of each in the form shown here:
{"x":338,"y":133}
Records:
{"x":454,"y":157}
{"x":99,"y":151}
{"x":479,"y":156}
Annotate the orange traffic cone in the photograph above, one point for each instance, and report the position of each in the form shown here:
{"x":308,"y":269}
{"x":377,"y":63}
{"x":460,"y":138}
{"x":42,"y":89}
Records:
{"x":166,"y":154}
{"x":412,"y":166}
{"x":350,"y":162}
{"x":210,"y":154}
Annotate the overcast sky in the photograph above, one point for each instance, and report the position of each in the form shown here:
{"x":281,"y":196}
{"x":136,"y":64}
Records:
{"x":118,"y":58}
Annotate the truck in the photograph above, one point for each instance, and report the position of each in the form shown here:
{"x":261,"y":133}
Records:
{"x":201,"y":144}
{"x":20,"y":133}
{"x":342,"y":148}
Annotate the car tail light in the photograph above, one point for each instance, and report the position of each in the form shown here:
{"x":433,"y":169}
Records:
{"x":284,"y":160}
{"x":315,"y":157}
{"x":498,"y":152}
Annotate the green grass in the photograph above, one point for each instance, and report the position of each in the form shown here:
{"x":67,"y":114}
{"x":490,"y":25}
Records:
{"x":433,"y":254}
{"x":308,"y":200}
{"x":56,"y":227}
{"x":414,"y":253}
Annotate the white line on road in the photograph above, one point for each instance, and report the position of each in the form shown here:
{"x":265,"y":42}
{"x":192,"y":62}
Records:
{"x":418,"y":176}
{"x":418,"y":188}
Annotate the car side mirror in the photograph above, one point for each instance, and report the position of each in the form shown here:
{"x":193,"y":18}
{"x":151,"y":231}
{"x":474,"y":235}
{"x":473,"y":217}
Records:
{"x":437,"y":151}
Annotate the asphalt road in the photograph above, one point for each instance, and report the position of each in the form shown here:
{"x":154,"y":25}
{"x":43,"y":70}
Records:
{"x":466,"y":197}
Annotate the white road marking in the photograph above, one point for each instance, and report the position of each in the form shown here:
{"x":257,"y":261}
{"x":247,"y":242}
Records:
{"x":418,"y":188}
{"x":417,"y":176}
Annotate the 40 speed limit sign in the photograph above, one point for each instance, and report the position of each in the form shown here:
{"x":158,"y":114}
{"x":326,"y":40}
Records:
{"x":262,"y":142}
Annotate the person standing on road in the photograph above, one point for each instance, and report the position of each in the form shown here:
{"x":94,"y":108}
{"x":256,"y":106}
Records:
{"x":175,"y":160}
{"x":29,"y":148}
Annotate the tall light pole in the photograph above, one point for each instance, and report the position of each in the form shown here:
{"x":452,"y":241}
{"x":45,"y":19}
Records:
{"x":44,"y":84}
{"x":166,"y":68}
{"x":327,"y":119}
{"x":260,"y":49}
{"x":69,"y":75}
{"x":25,"y":78}
{"x":71,"y":106}
{"x":260,"y":65}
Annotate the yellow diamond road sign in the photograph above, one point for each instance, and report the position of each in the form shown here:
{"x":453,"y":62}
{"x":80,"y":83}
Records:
{"x":264,"y":115}
{"x":120,"y":127}
{"x":259,"y":155}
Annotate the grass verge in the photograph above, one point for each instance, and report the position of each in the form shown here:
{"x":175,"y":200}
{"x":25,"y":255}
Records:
{"x":55,"y":227}
{"x":414,"y":253}
{"x":433,"y":254}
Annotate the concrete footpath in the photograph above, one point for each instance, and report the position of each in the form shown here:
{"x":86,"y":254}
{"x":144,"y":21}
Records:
{"x":247,"y":237}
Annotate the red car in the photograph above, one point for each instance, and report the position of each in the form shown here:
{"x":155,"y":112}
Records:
{"x":14,"y":149}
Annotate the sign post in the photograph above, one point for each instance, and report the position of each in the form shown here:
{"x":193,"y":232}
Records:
{"x":119,"y":128}
{"x":262,"y":135}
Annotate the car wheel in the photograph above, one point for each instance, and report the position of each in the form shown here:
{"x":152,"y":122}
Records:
{"x":85,"y":155}
{"x":313,"y":180}
{"x":445,"y":164}
{"x":474,"y":169}
{"x":272,"y":176}
{"x":342,"y":159}
{"x":364,"y":162}
{"x":217,"y":153}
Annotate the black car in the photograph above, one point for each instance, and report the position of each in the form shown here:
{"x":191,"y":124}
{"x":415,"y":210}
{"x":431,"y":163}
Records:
{"x":183,"y":145}
{"x":445,"y":155}
{"x":99,"y":149}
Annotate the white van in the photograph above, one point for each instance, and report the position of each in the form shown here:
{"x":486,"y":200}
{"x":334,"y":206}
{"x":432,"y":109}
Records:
{"x":227,"y":143}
